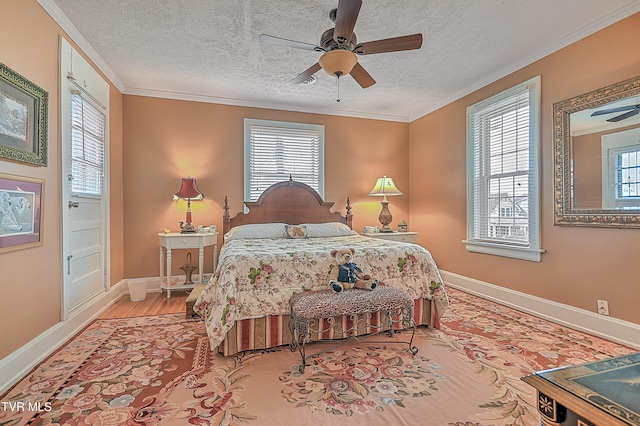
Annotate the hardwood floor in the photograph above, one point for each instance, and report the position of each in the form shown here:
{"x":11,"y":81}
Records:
{"x":154,"y":304}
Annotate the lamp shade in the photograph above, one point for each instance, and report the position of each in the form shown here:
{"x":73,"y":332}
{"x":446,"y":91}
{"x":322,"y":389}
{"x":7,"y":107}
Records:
{"x":385,"y":186}
{"x":338,"y":62}
{"x":188,"y":190}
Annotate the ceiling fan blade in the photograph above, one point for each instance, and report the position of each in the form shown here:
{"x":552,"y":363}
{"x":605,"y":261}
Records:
{"x":305,"y":75}
{"x":361,"y":76}
{"x":409,"y":42}
{"x":612,"y":110}
{"x":626,"y":115}
{"x":289,"y":43}
{"x":346,"y":17}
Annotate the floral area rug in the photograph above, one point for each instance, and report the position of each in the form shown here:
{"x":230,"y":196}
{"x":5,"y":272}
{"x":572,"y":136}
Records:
{"x":159,"y":370}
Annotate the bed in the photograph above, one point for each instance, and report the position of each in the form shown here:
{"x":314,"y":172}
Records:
{"x":281,"y":247}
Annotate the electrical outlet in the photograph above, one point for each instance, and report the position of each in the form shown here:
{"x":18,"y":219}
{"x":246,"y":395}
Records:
{"x":603,"y":307}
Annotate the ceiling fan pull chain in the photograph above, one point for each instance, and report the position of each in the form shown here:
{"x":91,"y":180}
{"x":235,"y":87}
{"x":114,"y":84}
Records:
{"x":338,"y":78}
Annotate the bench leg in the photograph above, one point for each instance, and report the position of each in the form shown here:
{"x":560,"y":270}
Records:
{"x":301,"y":329}
{"x":411,"y":323}
{"x":300,"y":334}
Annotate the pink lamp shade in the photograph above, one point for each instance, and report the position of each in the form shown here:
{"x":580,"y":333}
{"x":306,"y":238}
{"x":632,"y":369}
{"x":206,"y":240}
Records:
{"x":188,"y":191}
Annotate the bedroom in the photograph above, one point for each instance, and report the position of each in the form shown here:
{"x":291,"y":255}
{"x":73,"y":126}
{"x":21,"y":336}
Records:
{"x":147,"y":132}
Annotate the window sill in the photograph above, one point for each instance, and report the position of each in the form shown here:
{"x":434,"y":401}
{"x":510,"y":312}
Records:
{"x":522,"y":253}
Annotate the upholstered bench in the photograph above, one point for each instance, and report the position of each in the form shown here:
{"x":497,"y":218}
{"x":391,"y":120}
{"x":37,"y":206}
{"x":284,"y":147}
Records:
{"x":367,"y":312}
{"x":191,"y":299}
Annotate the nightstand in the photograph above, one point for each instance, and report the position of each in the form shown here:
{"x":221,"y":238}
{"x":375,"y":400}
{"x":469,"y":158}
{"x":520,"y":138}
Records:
{"x":405,"y":237}
{"x":176,"y":240}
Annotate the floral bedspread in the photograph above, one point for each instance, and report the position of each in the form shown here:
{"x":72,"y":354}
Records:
{"x":257,"y":277}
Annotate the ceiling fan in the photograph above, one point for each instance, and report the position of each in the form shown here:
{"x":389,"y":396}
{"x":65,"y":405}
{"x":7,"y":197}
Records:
{"x":631,"y":111}
{"x":341,"y":48}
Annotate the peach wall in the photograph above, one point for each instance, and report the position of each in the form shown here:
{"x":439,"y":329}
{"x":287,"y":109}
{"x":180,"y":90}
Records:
{"x":30,"y":280}
{"x":587,"y":171}
{"x":36,"y":289}
{"x":165,"y":140}
{"x":580,"y":264}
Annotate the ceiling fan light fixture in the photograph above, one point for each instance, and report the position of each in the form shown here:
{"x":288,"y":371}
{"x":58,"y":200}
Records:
{"x":338,"y":62}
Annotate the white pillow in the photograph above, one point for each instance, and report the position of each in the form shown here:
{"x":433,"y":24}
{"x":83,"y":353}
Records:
{"x":258,"y":230}
{"x":331,"y":229}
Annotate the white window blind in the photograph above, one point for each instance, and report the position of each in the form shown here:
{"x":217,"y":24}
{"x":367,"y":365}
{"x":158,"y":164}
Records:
{"x":87,"y":156}
{"x":502,"y":192}
{"x":274,"y":151}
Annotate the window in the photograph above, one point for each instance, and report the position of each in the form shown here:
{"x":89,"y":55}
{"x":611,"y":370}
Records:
{"x":275,"y":150}
{"x":502,"y":173}
{"x":627,"y":173}
{"x":621,"y":170}
{"x":87,"y":147}
{"x":624,"y":178}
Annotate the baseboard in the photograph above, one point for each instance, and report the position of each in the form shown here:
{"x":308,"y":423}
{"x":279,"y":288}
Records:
{"x":20,"y":362}
{"x":622,"y":332}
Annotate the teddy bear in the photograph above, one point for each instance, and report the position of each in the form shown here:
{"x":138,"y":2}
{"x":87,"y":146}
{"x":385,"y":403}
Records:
{"x":347,"y":274}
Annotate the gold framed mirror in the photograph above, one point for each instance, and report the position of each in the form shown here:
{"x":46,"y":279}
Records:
{"x":596,"y":150}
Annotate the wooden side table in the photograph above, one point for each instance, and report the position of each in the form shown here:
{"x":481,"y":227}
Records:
{"x":405,"y":237}
{"x":593,"y":394}
{"x":176,"y":240}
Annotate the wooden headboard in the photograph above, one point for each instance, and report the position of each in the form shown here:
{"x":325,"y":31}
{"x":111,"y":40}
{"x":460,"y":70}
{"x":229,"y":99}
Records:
{"x":288,"y":202}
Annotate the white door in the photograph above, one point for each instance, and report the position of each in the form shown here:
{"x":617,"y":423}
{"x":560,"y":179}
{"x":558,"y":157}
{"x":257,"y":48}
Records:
{"x":84,"y":112}
{"x":85,"y":265}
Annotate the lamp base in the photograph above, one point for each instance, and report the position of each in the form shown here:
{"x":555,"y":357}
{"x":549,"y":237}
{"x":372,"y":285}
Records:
{"x":385,"y":217}
{"x":187,"y":228}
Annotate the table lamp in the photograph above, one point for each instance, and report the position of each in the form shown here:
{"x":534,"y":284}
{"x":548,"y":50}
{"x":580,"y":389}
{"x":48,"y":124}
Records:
{"x":188,"y":191}
{"x":385,"y":187}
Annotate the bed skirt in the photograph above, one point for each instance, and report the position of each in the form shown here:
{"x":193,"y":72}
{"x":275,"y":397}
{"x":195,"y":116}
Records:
{"x":273,"y":330}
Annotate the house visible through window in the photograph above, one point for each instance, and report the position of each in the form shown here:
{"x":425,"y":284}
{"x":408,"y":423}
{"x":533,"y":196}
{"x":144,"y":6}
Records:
{"x":502,"y":173}
{"x":277,"y":150}
{"x":87,"y":146}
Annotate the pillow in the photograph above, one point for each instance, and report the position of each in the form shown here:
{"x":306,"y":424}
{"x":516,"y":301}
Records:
{"x":331,"y":229}
{"x":296,"y":231}
{"x":258,"y":230}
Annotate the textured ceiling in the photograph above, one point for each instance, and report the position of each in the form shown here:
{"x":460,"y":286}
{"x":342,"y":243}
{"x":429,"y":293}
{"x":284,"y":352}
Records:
{"x":209,"y":50}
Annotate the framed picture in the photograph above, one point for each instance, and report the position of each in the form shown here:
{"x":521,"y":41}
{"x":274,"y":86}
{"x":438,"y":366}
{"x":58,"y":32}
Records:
{"x":23,"y":119}
{"x":20,"y":212}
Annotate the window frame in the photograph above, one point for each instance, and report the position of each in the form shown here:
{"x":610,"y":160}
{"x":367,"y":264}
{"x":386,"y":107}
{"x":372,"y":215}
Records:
{"x":84,"y":132}
{"x":530,"y":251}
{"x":613,"y":145}
{"x":248,"y":122}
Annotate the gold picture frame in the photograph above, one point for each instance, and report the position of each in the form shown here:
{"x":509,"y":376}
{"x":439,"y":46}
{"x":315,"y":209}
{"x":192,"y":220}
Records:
{"x":23,"y":119}
{"x":565,"y":211}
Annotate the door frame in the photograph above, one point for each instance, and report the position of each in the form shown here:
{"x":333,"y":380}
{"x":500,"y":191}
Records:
{"x":68,"y":58}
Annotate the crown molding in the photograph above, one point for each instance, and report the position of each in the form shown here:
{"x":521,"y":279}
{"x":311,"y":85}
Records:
{"x":610,"y":19}
{"x":54,"y":11}
{"x":61,"y":19}
{"x":264,"y":105}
